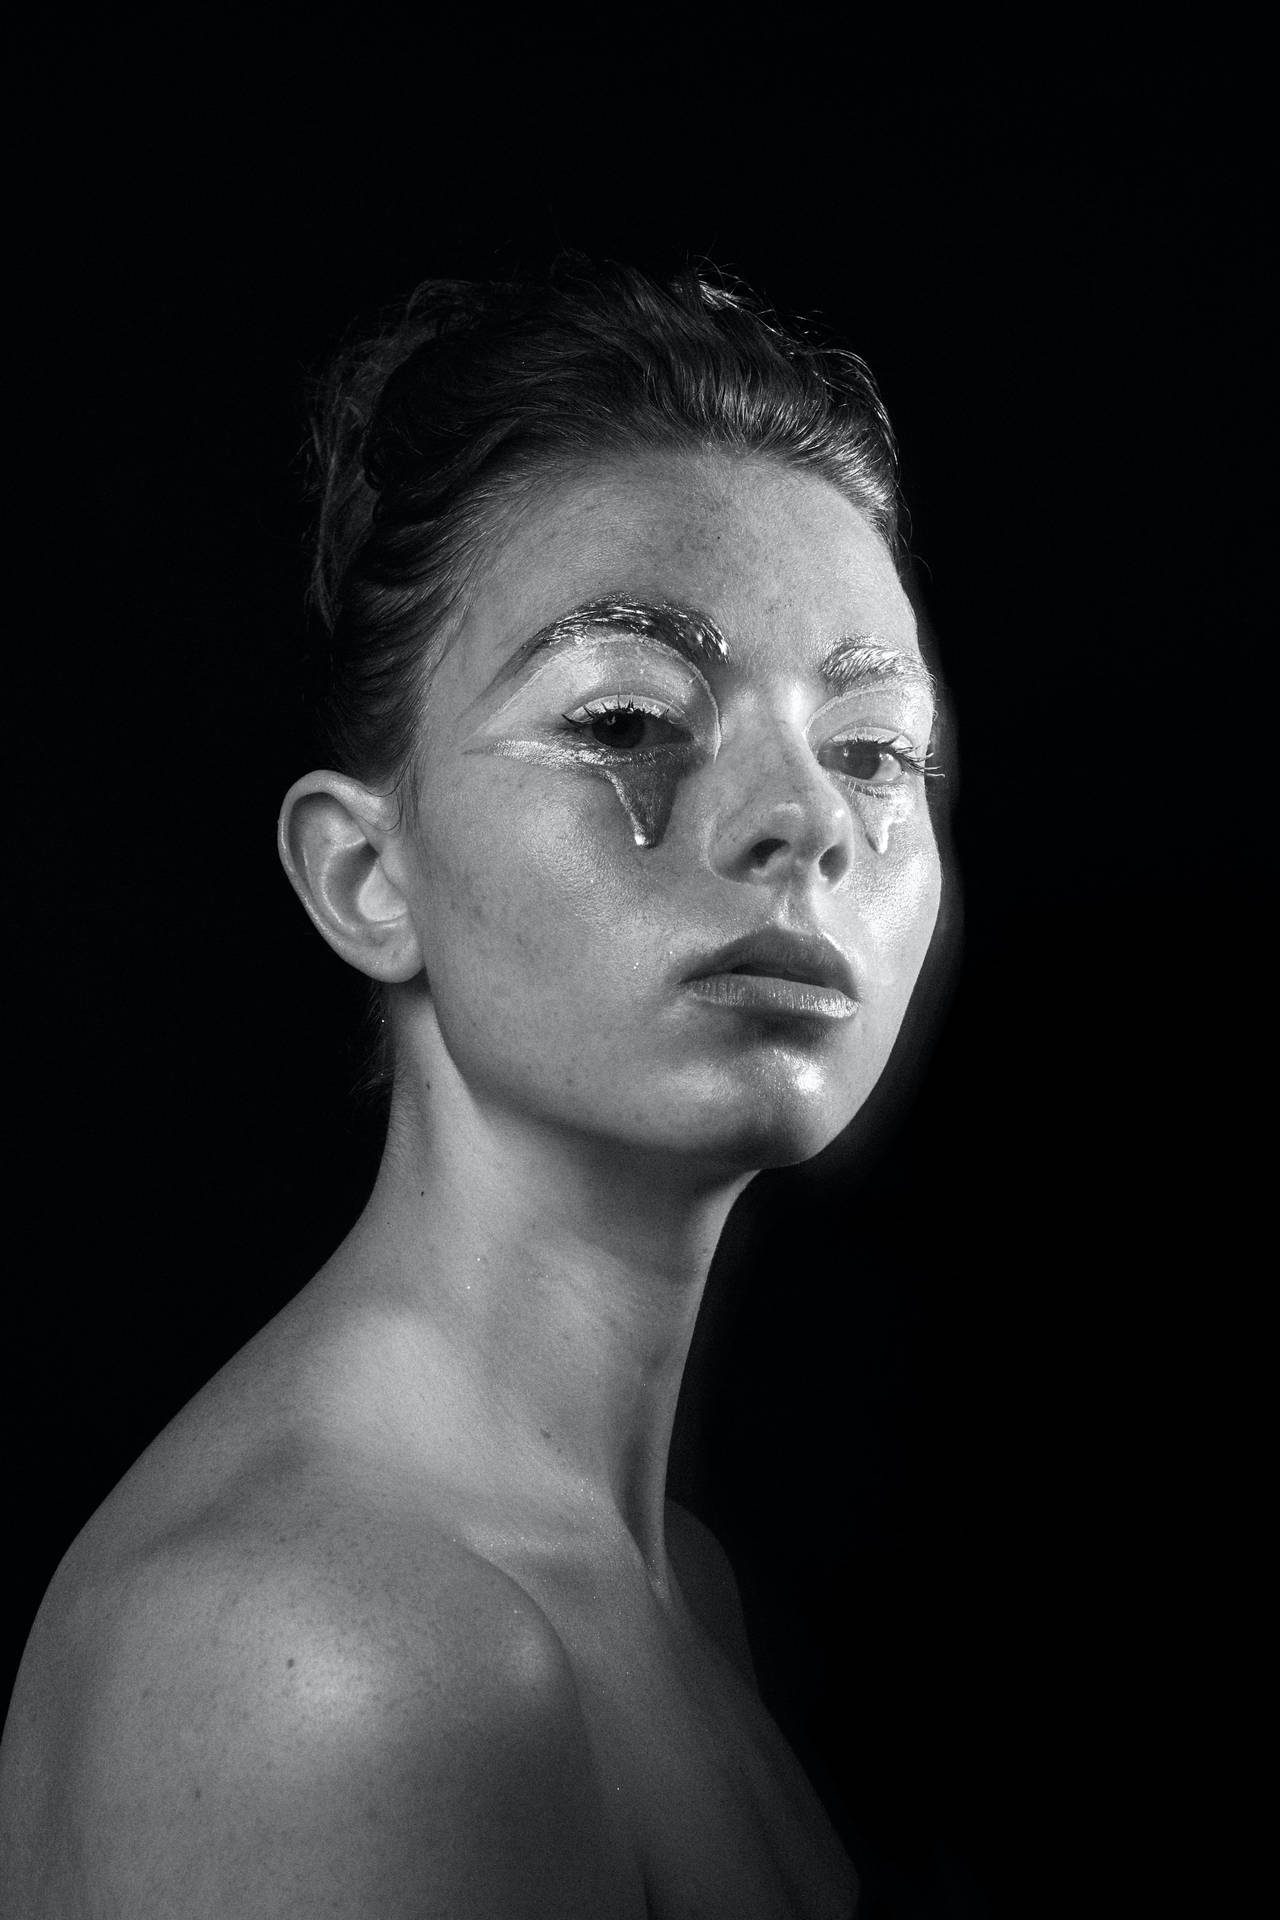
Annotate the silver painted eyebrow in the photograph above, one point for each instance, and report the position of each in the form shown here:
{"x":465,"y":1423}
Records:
{"x":686,"y":630}
{"x":863,"y":662}
{"x":850,"y":664}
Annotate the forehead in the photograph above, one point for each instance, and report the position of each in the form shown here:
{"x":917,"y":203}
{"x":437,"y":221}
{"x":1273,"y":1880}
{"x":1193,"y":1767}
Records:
{"x":783,"y":564}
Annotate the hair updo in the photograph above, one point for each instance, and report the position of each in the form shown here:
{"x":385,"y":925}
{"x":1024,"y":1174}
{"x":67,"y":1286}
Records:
{"x":431,"y":435}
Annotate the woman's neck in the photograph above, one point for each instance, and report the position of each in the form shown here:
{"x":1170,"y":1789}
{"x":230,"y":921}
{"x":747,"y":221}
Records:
{"x":546,"y":1289}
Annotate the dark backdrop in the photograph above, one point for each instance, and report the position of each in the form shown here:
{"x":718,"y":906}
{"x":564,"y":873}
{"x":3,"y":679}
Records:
{"x":952,"y":1421}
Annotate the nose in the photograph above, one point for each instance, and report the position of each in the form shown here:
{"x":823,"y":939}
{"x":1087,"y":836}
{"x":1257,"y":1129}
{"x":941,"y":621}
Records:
{"x":781,"y":817}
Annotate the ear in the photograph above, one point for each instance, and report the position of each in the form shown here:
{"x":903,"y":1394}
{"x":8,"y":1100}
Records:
{"x":340,"y":848}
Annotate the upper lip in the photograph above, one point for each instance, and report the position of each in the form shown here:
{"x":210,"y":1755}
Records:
{"x":787,"y":955}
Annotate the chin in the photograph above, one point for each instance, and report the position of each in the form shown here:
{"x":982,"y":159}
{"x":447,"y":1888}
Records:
{"x":780,"y":1125}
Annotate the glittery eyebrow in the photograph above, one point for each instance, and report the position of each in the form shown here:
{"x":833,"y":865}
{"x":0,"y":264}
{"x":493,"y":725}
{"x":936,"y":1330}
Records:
{"x":863,"y":662}
{"x":852,"y":663}
{"x":683,"y":629}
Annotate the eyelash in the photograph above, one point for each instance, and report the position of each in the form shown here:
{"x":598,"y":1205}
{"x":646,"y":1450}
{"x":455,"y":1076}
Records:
{"x":918,"y":763}
{"x":576,"y":724}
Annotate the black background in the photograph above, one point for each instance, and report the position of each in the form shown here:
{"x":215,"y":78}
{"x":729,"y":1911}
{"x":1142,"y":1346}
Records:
{"x":957,"y":1421}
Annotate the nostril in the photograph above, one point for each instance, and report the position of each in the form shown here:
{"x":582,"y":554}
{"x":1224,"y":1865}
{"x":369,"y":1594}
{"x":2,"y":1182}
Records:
{"x":764,"y":850}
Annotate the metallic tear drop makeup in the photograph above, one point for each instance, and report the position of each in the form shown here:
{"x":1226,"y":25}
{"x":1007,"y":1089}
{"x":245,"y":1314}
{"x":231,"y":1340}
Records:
{"x":645,"y":784}
{"x":622,"y":656}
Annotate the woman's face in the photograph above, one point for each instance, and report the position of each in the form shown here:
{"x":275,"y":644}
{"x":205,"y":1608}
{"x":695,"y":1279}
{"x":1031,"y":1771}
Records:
{"x":672,"y":867}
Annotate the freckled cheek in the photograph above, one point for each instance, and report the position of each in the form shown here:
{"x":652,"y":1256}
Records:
{"x":513,"y":871}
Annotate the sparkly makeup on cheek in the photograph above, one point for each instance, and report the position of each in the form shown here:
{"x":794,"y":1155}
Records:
{"x":878,"y":826}
{"x":885,"y":811}
{"x":879,"y":757}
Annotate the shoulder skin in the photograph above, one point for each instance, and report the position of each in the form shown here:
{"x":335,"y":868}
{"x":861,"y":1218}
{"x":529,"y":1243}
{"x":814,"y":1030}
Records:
{"x":709,"y":1586}
{"x":235,"y":1736}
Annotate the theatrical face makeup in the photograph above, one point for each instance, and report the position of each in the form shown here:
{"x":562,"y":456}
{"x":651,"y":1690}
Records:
{"x":673,"y":868}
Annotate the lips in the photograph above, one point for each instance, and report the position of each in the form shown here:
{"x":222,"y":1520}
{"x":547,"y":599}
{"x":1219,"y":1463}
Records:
{"x":776,"y":953}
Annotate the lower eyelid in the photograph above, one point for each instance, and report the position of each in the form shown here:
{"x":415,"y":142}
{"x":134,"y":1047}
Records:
{"x":876,"y":790}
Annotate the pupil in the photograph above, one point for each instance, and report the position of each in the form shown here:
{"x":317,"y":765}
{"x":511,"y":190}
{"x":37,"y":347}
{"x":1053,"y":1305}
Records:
{"x":863,"y":761}
{"x":622,"y":729}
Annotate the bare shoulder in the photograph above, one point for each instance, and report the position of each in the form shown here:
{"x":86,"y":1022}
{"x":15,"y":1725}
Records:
{"x":709,"y":1585}
{"x":239,"y":1725}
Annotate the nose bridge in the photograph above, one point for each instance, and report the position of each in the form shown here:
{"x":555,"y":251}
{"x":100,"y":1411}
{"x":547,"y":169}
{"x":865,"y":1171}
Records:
{"x":777,"y":809}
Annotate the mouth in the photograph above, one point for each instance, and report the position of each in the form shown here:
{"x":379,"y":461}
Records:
{"x":778,"y":971}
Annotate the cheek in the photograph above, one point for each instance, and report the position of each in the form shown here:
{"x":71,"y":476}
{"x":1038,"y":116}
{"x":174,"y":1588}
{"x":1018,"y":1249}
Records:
{"x":644,"y":786}
{"x":899,"y":902}
{"x":511,"y":880}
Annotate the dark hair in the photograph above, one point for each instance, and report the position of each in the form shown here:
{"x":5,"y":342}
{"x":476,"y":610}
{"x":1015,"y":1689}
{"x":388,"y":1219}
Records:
{"x":477,"y":396}
{"x":433,"y":433}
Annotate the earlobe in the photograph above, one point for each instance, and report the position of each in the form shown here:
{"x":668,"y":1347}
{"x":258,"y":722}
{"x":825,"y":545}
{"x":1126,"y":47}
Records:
{"x":335,"y":838}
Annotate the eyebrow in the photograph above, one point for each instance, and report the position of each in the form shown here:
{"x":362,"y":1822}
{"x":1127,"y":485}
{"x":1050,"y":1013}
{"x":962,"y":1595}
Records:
{"x":684,"y":629}
{"x":863,"y":661}
{"x":860,"y":660}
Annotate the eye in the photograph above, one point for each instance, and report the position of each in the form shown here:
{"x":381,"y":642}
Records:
{"x":872,"y":763}
{"x":626,"y":723}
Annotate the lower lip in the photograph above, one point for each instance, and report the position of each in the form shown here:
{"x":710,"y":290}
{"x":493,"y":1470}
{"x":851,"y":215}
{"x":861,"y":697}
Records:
{"x":768,"y":993}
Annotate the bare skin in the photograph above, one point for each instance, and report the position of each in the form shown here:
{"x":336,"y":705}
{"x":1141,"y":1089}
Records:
{"x":395,"y":1617}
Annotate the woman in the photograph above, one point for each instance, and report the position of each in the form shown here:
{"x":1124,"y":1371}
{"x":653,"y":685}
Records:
{"x":626,"y":821}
